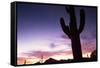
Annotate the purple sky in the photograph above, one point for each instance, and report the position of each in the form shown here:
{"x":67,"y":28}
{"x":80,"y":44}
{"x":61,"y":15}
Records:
{"x":39,"y":30}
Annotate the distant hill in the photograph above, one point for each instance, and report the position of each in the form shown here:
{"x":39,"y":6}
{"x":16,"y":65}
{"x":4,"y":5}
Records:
{"x":54,"y":61}
{"x":51,"y":60}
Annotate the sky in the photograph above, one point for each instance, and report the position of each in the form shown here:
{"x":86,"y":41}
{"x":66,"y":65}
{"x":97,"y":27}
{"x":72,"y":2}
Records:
{"x":39,"y":32}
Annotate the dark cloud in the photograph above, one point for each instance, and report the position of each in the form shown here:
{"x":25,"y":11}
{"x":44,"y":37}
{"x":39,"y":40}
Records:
{"x":64,"y":36}
{"x":52,"y":45}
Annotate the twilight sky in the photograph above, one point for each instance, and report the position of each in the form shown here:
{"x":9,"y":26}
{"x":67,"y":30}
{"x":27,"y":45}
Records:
{"x":39,"y":31}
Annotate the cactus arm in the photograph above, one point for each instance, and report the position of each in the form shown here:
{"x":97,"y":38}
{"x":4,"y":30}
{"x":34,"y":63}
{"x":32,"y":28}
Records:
{"x":65,"y":28}
{"x":82,"y":21}
{"x":67,"y":9}
{"x":70,"y":9}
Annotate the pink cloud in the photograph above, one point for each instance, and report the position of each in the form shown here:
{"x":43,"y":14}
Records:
{"x":46,"y":54}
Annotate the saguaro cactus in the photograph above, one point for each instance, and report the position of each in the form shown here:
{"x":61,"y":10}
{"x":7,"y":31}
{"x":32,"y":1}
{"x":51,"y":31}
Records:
{"x":25,"y":62}
{"x":42,"y":57}
{"x":73,"y":31}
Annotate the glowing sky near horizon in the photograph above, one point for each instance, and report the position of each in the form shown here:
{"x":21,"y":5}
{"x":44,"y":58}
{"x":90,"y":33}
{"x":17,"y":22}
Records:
{"x":39,"y":31}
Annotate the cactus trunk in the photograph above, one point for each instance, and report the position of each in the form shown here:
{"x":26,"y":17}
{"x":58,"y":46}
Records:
{"x":76,"y":47}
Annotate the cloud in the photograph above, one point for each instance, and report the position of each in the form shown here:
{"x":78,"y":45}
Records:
{"x":64,"y":36}
{"x":88,"y":35}
{"x":52,"y":45}
{"x":46,"y":54}
{"x":21,"y":58}
{"x":88,"y":45}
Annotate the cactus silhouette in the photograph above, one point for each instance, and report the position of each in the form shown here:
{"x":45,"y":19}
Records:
{"x":42,"y":57}
{"x":73,"y":31}
{"x":24,"y":62}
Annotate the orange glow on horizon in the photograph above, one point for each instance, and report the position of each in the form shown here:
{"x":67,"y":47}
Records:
{"x":56,"y":57}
